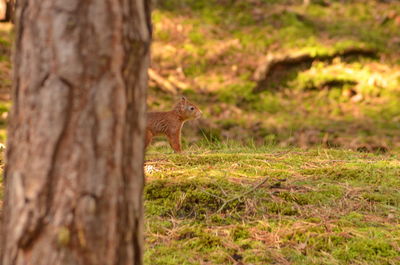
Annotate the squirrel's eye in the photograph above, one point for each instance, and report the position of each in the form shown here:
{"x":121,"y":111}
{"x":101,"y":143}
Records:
{"x":191,"y":108}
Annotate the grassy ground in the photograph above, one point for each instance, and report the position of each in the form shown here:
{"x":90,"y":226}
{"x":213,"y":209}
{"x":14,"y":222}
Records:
{"x":320,"y":206}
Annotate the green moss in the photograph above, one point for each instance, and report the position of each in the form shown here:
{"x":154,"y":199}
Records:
{"x":63,"y":237}
{"x":375,"y":249}
{"x":197,"y":37}
{"x":381,"y":173}
{"x":326,"y":195}
{"x":237,"y":93}
{"x":240,"y":233}
{"x":281,"y":208}
{"x":384,"y":196}
{"x":185,"y":199}
{"x":320,"y":206}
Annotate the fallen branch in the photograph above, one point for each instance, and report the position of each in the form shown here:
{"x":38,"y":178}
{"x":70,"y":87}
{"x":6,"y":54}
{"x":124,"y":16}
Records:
{"x":179,"y":84}
{"x":162,"y":83}
{"x":241,"y":195}
{"x":275,"y":62}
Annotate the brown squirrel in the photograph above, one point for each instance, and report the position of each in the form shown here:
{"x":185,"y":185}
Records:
{"x":169,"y":123}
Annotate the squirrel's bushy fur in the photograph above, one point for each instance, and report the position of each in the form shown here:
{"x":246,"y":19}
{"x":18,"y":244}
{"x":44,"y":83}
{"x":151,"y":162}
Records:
{"x":169,"y":123}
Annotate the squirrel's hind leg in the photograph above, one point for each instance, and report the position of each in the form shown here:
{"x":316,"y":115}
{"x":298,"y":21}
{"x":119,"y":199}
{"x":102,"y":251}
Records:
{"x":175,"y":142}
{"x":149,"y":137}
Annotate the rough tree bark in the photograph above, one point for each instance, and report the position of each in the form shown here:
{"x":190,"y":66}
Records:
{"x":74,"y":172}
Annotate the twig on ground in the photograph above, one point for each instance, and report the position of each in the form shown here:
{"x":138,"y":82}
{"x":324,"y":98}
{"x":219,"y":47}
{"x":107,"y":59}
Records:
{"x":213,"y":195}
{"x":222,"y":190}
{"x":242,"y":195}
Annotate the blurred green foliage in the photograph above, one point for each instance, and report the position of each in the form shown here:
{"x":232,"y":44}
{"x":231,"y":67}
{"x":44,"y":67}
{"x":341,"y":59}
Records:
{"x":219,"y":44}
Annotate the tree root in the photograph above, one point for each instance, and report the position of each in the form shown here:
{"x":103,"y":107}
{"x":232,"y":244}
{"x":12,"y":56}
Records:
{"x":282,"y":62}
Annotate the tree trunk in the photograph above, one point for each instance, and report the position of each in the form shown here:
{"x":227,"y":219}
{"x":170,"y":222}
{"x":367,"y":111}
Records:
{"x":74,"y":171}
{"x":10,"y":11}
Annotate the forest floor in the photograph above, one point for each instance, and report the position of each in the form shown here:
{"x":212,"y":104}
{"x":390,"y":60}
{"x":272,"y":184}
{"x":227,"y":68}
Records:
{"x":318,"y":182}
{"x":220,"y":204}
{"x":210,"y":50}
{"x":272,"y":206}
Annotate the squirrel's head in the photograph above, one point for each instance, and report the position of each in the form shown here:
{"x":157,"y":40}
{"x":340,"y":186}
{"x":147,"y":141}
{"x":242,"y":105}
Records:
{"x":187,"y":109}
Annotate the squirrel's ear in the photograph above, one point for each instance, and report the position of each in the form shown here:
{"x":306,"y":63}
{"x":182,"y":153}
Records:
{"x":183,"y":99}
